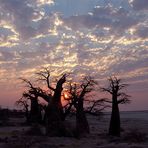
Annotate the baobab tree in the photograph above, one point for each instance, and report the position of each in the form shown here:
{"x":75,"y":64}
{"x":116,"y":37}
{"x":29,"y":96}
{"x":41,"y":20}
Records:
{"x":54,"y":110}
{"x":55,"y":124}
{"x":77,"y":94}
{"x":115,"y":88}
{"x":32,"y":94}
{"x":95,"y":107}
{"x":35,"y":110}
{"x":23,"y":102}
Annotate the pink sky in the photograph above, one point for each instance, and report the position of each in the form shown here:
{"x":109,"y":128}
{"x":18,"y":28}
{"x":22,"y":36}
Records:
{"x":98,"y":38}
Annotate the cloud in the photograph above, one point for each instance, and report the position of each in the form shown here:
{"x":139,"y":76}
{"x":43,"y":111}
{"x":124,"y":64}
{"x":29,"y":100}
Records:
{"x":21,"y":16}
{"x":25,"y":17}
{"x":45,"y":2}
{"x":99,"y":40}
{"x":139,"y":4}
{"x":142,"y":32}
{"x":116,"y":20}
{"x":6,"y":55}
{"x":129,"y":65}
{"x":28,"y":18}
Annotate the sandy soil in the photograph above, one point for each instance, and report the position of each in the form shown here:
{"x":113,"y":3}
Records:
{"x":134,"y":135}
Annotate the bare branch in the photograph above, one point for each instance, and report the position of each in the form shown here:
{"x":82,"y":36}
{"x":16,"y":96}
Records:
{"x":124,"y":99}
{"x":29,"y":84}
{"x":45,"y":76}
{"x":106,"y":90}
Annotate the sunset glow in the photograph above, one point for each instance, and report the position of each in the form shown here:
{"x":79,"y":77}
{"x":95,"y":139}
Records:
{"x":93,"y":37}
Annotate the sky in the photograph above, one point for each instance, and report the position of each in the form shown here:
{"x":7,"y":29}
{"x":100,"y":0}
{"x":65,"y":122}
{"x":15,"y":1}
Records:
{"x":100,"y":38}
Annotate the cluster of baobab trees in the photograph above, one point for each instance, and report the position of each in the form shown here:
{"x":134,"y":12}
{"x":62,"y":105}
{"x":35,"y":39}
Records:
{"x":75,"y":96}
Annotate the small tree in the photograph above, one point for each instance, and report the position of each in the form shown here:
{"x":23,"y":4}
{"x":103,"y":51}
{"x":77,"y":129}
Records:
{"x":35,"y":111}
{"x":118,"y":97}
{"x":23,"y":102}
{"x":32,"y":94}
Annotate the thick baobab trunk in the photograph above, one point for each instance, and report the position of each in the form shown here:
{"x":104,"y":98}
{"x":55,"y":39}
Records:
{"x":34,"y":112}
{"x":82,"y":126}
{"x":114,"y":88}
{"x":27,"y":115}
{"x":114,"y":128}
{"x":54,"y":123}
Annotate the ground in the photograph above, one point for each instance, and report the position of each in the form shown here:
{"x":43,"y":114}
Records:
{"x":134,"y":135}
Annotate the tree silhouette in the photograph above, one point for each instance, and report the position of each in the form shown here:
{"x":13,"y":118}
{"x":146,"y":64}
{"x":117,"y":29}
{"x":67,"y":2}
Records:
{"x":23,"y":102}
{"x":95,"y":107}
{"x":35,"y":110}
{"x":55,"y":125}
{"x":32,"y":94}
{"x":118,"y":97}
{"x":78,"y":93}
{"x":54,"y":110}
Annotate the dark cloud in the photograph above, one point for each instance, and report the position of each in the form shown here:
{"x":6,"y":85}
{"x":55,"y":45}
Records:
{"x":6,"y":55}
{"x":99,"y":40}
{"x":26,"y":32}
{"x":45,"y":24}
{"x":27,"y":17}
{"x":22,"y":15}
{"x":19,"y":9}
{"x":24,"y":12}
{"x":118,"y":20}
{"x":129,"y":65}
{"x":5,"y":31}
{"x":142,"y":32}
{"x":140,"y":4}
